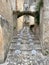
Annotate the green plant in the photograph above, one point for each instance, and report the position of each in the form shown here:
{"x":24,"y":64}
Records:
{"x":38,"y":7}
{"x":37,"y":17}
{"x":14,"y":27}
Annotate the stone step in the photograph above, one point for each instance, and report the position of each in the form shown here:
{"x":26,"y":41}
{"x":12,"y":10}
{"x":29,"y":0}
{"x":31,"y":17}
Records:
{"x":26,"y":47}
{"x":15,"y":37}
{"x":13,"y":40}
{"x":38,"y":48}
{"x":14,"y":46}
{"x":24,"y":41}
{"x":37,"y":45}
{"x":36,"y":42}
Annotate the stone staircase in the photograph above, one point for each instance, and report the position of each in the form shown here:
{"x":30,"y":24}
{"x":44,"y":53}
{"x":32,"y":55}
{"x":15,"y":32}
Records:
{"x":25,"y":49}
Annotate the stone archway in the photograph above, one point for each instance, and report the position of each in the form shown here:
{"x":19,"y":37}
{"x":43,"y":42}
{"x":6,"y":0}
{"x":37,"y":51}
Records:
{"x":19,"y":14}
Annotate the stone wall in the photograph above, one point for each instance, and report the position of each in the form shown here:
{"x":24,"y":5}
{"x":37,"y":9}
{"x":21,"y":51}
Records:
{"x":20,"y":4}
{"x":6,"y":28}
{"x":19,"y":23}
{"x":31,"y":20}
{"x":45,"y":27}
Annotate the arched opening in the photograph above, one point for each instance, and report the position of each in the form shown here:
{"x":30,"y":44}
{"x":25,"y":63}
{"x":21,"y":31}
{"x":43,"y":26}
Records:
{"x":21,"y":19}
{"x":19,"y":14}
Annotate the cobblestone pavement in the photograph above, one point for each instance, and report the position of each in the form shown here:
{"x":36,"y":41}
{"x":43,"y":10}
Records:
{"x":25,"y":49}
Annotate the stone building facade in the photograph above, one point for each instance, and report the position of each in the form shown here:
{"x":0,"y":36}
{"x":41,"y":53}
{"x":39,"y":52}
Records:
{"x":20,"y":4}
{"x":44,"y":25}
{"x":19,"y":21}
{"x":6,"y":27}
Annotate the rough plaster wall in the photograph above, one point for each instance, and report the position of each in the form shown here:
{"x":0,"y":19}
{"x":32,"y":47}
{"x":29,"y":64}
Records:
{"x":31,"y":20}
{"x":1,"y":45}
{"x":6,"y":27}
{"x":41,"y":27}
{"x":45,"y":26}
{"x":19,"y":23}
{"x":20,"y":20}
{"x":20,"y":5}
{"x":13,"y":4}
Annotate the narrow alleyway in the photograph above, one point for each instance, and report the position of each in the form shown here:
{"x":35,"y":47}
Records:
{"x":25,"y":49}
{"x":24,"y":32}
